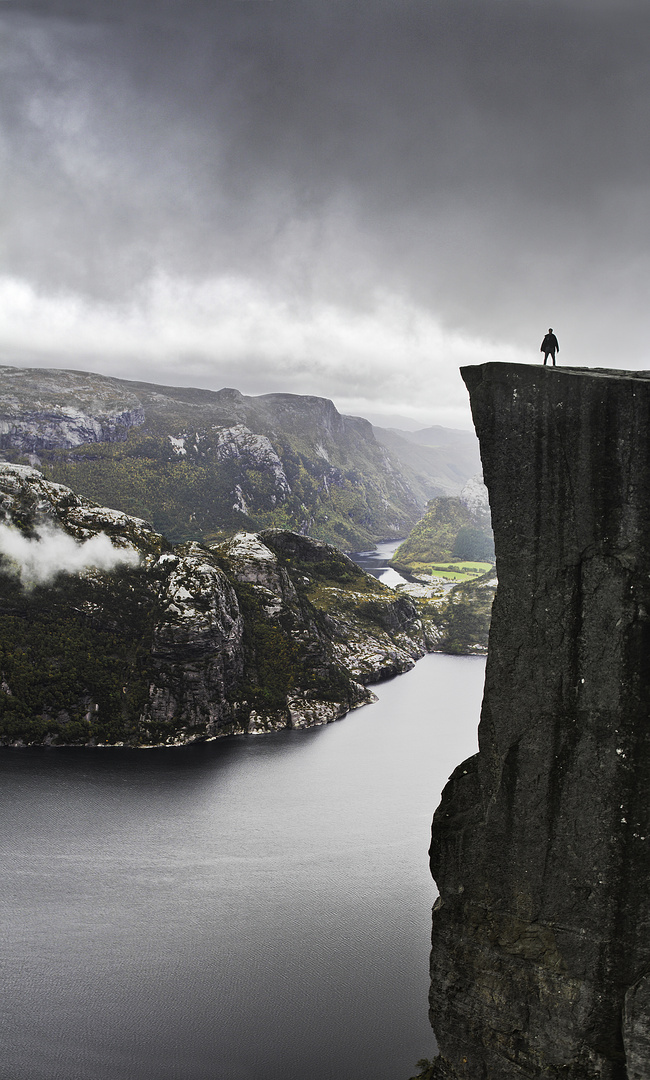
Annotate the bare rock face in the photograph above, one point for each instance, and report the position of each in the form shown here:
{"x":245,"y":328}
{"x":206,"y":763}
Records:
{"x":65,"y":409}
{"x":474,"y":497}
{"x":111,"y":635}
{"x":197,"y":640}
{"x":541,"y":845}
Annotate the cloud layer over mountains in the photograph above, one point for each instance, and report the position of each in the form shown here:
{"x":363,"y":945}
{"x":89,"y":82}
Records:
{"x":316,"y":197}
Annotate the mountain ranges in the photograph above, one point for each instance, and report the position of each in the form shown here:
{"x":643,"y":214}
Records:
{"x":215,"y":613}
{"x":200,"y":464}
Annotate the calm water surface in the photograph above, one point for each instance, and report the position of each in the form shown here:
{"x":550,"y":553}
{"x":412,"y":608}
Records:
{"x":257,"y":907}
{"x":375,"y":562}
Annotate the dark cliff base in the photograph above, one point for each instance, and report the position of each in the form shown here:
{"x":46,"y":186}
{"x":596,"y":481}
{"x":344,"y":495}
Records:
{"x":541,"y":844}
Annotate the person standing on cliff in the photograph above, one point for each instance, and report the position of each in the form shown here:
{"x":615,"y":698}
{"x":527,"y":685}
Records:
{"x":550,"y":346}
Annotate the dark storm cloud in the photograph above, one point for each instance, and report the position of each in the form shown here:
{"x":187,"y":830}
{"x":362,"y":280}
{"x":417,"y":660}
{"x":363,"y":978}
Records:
{"x":485,"y":160}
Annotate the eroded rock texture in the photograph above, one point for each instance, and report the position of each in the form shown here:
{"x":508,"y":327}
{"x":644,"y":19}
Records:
{"x":109,"y":634}
{"x":541,"y":844}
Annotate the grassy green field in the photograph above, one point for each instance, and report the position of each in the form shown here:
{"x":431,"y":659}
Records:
{"x":449,"y":571}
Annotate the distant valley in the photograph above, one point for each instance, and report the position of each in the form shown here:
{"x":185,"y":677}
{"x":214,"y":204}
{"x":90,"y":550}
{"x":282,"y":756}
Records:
{"x":169,"y":563}
{"x":200,"y":464}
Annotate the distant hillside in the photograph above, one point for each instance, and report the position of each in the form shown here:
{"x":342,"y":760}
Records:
{"x":453,"y":541}
{"x":441,"y":459}
{"x":457,"y":439}
{"x":200,"y":464}
{"x":454,"y":528}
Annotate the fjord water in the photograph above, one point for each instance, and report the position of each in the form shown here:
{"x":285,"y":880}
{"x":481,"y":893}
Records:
{"x":255,"y":907}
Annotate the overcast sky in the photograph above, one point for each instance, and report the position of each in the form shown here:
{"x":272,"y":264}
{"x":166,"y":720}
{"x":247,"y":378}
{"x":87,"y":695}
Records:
{"x":349,"y":198}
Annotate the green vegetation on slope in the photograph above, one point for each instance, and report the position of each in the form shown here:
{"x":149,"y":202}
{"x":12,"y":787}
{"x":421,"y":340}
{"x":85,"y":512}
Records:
{"x":191,"y":497}
{"x":460,"y":571}
{"x":448,"y":542}
{"x":75,"y":660}
{"x":458,"y":621}
{"x":200,"y":464}
{"x":281,"y":661}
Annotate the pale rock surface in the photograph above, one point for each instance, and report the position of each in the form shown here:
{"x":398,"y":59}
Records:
{"x":475,"y":497}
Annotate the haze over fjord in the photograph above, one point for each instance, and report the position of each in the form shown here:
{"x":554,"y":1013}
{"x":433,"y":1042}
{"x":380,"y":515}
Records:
{"x":327,"y":198}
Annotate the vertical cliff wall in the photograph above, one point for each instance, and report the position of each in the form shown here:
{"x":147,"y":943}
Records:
{"x":541,"y":844}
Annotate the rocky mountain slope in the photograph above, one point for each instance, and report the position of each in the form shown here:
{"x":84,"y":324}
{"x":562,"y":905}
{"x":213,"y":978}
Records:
{"x":456,"y":620}
{"x":453,"y":528}
{"x":541,"y":844}
{"x":201,"y":465}
{"x":110,"y":634}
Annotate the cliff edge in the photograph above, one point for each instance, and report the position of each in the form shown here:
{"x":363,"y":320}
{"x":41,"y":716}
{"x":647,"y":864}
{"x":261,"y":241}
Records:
{"x":541,"y":844}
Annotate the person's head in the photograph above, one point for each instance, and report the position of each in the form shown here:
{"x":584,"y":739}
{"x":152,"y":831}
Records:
{"x":550,"y":329}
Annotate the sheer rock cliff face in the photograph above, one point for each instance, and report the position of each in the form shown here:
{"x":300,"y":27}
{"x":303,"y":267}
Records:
{"x":541,"y":844}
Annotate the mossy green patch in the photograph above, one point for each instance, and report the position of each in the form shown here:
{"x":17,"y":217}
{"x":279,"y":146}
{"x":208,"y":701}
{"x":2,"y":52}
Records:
{"x":74,"y":659}
{"x":448,"y":571}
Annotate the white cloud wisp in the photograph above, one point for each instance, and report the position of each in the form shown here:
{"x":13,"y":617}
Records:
{"x":53,"y":551}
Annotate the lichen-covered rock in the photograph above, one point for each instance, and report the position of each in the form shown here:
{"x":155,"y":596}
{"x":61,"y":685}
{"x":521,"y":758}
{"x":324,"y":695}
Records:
{"x":541,"y":844}
{"x":199,"y":631}
{"x":108,"y":634}
{"x":374,"y":632}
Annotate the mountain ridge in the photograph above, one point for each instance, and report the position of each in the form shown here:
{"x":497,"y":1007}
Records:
{"x":201,"y":463}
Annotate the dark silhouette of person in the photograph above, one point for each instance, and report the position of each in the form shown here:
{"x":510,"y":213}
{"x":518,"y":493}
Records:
{"x":550,"y":346}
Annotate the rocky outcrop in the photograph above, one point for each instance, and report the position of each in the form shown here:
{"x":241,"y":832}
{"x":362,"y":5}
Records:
{"x":63,"y":409}
{"x":474,"y":497}
{"x":111,"y":635}
{"x":541,"y":844}
{"x":375,"y":632}
{"x":240,"y":444}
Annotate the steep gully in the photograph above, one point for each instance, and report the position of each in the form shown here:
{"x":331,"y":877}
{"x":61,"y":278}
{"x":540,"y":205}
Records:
{"x":541,"y":844}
